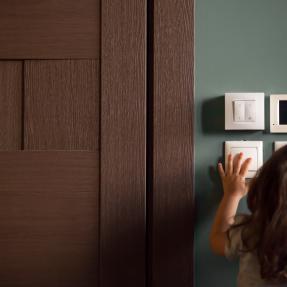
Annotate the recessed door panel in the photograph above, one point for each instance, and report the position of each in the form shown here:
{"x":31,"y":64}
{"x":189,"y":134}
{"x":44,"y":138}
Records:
{"x":49,"y":218}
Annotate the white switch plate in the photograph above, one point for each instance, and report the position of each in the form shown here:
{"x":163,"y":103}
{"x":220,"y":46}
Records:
{"x":250,"y":114}
{"x":253,"y":149}
{"x":278,"y":145}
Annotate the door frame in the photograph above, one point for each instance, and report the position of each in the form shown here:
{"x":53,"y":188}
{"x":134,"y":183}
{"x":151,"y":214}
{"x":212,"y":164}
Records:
{"x":147,"y":153}
{"x":123,"y":143}
{"x":171,"y":195}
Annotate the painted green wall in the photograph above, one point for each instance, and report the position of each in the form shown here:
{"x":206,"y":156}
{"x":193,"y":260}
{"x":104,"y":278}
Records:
{"x":240,"y":46}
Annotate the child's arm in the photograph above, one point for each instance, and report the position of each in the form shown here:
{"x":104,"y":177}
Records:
{"x":234,"y":186}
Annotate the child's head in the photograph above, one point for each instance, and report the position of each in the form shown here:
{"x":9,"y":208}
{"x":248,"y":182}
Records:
{"x":265,"y":231}
{"x":268,"y":190}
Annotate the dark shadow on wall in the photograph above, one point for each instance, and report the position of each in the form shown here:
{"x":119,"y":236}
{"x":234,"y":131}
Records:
{"x":212,"y":116}
{"x":208,"y":200}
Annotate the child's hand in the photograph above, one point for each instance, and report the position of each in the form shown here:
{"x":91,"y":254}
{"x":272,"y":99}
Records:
{"x":233,"y":178}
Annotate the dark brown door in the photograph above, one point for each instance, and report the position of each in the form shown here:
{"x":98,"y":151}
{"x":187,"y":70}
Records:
{"x":96,"y":143}
{"x":72,"y":175}
{"x":49,"y":182}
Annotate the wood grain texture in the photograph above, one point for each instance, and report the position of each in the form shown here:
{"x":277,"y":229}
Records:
{"x":123,"y":137}
{"x":61,"y":104}
{"x":10,"y":105}
{"x":49,"y":223}
{"x":49,"y":29}
{"x":172,"y":196}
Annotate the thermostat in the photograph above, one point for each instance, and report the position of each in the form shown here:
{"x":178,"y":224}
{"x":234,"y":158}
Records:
{"x":278,"y":113}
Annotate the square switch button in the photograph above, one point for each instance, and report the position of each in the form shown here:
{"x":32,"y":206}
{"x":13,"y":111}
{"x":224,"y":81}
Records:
{"x":251,"y":149}
{"x":247,"y":152}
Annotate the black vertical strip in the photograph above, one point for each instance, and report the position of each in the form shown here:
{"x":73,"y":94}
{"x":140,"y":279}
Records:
{"x":149,"y":139}
{"x":23,"y":108}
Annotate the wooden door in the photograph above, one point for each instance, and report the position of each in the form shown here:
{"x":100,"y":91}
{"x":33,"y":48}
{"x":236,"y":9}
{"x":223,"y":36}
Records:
{"x":72,"y":174}
{"x":96,"y":156}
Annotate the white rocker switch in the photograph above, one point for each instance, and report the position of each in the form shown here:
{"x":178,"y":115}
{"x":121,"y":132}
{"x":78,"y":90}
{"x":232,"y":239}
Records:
{"x":250,"y":111}
{"x":244,"y":111}
{"x":253,"y":149}
{"x":247,"y":152}
{"x":239,"y":111}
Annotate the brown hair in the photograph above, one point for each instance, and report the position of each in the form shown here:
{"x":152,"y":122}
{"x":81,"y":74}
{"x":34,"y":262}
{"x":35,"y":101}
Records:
{"x":265,"y":230}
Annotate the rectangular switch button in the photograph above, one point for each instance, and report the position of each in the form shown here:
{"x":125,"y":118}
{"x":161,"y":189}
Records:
{"x":250,"y":111}
{"x":248,"y":152}
{"x":239,"y":111}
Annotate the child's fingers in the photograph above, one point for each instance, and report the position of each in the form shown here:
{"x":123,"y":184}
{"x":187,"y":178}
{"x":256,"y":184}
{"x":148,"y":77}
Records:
{"x":237,"y":163}
{"x":221,"y":170}
{"x":229,"y":165}
{"x":245,"y":167}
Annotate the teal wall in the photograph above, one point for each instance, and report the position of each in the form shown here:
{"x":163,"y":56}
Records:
{"x":240,"y":45}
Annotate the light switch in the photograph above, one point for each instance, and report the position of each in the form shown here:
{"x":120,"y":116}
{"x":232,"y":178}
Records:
{"x":247,"y":152}
{"x":251,"y":149}
{"x":239,"y":111}
{"x":250,"y":111}
{"x":244,"y":111}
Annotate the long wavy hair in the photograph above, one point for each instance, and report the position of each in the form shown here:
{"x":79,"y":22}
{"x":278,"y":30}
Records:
{"x":264,"y":231}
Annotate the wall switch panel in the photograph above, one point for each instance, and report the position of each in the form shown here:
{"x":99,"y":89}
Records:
{"x":244,"y":111}
{"x":253,"y":149}
{"x":279,"y":144}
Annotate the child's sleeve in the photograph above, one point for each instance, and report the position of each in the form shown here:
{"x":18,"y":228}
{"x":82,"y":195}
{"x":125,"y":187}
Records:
{"x":234,"y":242}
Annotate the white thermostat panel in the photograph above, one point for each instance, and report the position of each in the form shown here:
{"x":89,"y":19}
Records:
{"x":244,"y":111}
{"x":278,"y":145}
{"x":253,"y":149}
{"x":278,"y":113}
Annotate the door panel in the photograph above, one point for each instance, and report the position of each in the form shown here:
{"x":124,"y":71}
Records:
{"x":62,"y":100}
{"x":50,"y":100}
{"x":49,"y":218}
{"x":123,"y":143}
{"x":49,"y":29}
{"x":11,"y":105}
{"x":172,"y":197}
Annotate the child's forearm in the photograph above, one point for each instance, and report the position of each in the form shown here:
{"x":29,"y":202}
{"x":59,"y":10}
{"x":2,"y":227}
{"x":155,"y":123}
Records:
{"x":224,"y":218}
{"x":225,"y":213}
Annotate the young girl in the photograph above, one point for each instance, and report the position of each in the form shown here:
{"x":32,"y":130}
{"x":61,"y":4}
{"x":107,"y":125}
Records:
{"x":258,"y":239}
